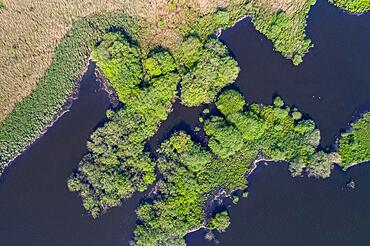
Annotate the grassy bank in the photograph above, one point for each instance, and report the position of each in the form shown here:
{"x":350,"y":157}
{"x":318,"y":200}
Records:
{"x":30,"y":117}
{"x":31,"y":30}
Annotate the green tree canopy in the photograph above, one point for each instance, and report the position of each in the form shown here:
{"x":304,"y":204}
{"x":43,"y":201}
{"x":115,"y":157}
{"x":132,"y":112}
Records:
{"x":214,"y":70}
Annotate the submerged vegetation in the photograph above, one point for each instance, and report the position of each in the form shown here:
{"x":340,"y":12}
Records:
{"x":353,"y":6}
{"x":354,"y":146}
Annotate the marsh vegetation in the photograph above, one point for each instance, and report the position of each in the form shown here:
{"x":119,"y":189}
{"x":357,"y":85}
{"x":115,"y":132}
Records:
{"x":353,"y":6}
{"x":354,"y":145}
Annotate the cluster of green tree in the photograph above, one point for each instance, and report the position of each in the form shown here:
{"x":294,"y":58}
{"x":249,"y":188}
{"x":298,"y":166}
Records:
{"x":221,"y":18}
{"x":190,"y":176}
{"x":30,"y":117}
{"x":285,"y":30}
{"x":353,"y":6}
{"x":210,"y":68}
{"x":220,"y":222}
{"x":354,"y":146}
{"x":2,"y":5}
{"x":275,"y":131}
{"x":117,"y":165}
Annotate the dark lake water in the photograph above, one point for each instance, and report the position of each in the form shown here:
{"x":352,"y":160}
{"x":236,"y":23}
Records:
{"x":332,"y":86}
{"x":36,"y":207}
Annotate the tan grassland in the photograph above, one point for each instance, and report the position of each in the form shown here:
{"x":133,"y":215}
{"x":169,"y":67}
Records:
{"x":288,"y":6}
{"x":31,"y":29}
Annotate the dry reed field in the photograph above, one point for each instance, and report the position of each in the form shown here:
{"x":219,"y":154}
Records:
{"x":289,"y":6}
{"x":31,"y":29}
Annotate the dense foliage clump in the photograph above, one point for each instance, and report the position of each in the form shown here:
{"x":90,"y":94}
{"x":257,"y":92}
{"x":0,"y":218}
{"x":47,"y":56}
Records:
{"x":117,"y":165}
{"x":275,"y":131}
{"x":286,"y":29}
{"x":121,"y":63}
{"x":354,"y":146}
{"x":223,"y":18}
{"x":32,"y":115}
{"x":213,"y":70}
{"x":353,"y":6}
{"x":224,"y":139}
{"x":29,"y":118}
{"x":220,"y":222}
{"x":190,"y":175}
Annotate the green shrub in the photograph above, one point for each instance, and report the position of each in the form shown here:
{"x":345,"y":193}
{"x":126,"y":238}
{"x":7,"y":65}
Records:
{"x":286,"y":31}
{"x":220,"y":221}
{"x":117,"y":165}
{"x":353,"y":6}
{"x":230,"y":102}
{"x":190,"y":51}
{"x":159,"y":63}
{"x":214,"y":70}
{"x":354,"y":146}
{"x":224,"y":139}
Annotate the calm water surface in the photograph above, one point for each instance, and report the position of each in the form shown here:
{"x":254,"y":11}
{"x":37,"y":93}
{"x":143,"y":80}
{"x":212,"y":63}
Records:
{"x":281,"y":210}
{"x":36,"y":207}
{"x":331,"y":86}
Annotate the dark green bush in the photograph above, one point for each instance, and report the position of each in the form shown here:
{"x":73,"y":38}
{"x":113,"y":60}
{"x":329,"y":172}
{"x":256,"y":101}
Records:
{"x":354,"y":146}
